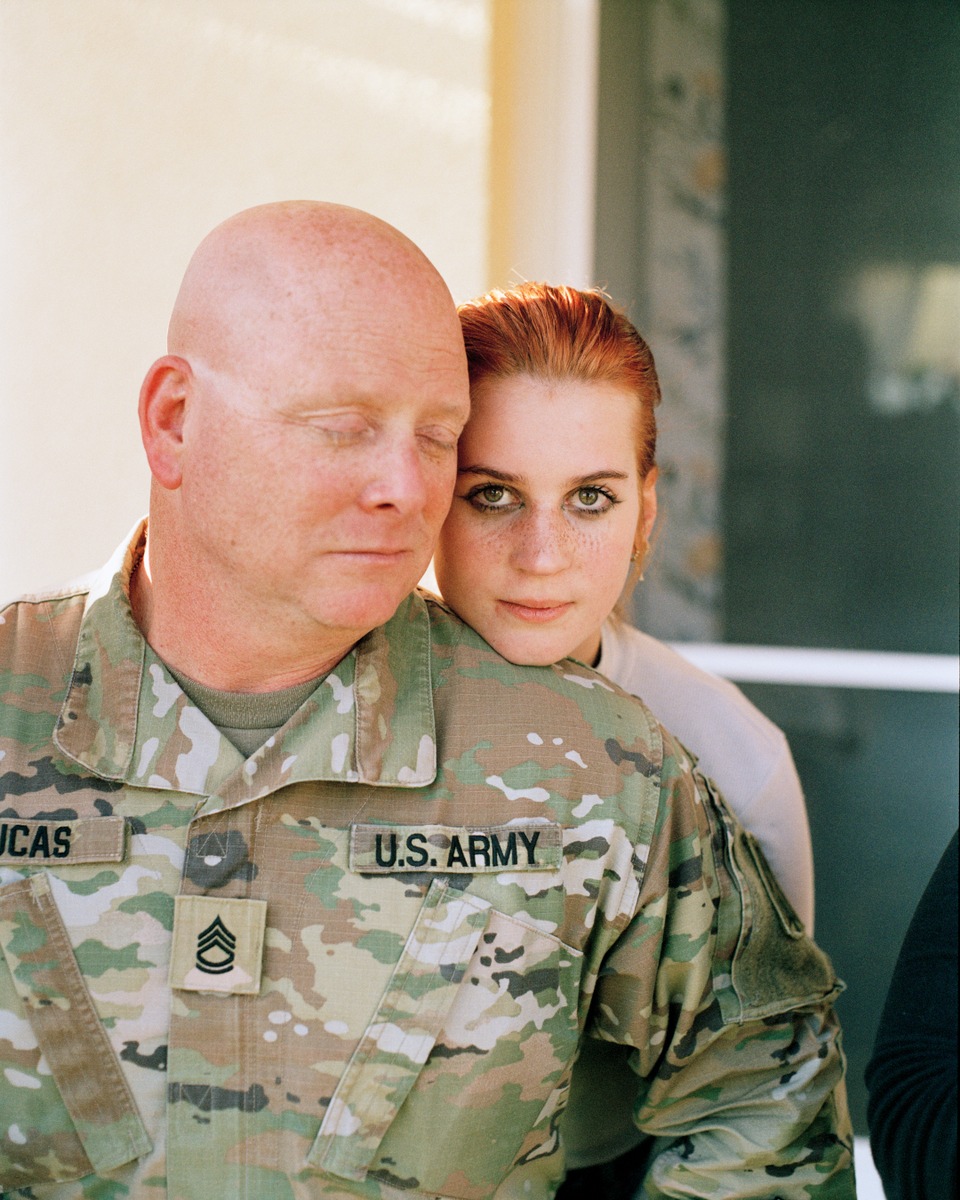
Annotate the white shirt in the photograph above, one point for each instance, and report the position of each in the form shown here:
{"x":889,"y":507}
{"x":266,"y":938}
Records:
{"x":742,"y":751}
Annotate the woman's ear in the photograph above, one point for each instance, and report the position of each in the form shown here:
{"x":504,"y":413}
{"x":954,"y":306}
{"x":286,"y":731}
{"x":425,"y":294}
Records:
{"x":648,"y":506}
{"x":162,"y":409}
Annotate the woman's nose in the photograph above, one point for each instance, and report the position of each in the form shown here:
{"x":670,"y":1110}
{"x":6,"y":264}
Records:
{"x":544,"y":544}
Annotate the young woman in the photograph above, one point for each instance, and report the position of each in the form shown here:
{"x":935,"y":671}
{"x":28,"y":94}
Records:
{"x":555,"y":501}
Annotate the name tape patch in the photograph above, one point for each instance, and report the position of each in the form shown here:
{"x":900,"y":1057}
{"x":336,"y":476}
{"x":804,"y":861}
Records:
{"x":217,"y":944}
{"x":447,"y":849}
{"x":86,"y":840}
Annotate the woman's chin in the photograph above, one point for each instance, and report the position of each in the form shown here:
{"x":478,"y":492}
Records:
{"x":530,"y":652}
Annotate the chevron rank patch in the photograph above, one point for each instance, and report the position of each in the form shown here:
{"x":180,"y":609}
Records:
{"x":217,"y":944}
{"x":520,"y":846}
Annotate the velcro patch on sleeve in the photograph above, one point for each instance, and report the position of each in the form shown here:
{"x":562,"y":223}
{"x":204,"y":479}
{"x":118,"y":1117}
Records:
{"x":217,"y":944}
{"x":446,"y":849}
{"x":86,"y":840}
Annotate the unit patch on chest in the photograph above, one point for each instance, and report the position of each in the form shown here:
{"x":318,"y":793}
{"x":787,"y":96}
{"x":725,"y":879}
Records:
{"x":446,"y":849}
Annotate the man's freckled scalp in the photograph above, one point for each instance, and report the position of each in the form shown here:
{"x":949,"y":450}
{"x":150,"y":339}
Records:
{"x":273,"y":270}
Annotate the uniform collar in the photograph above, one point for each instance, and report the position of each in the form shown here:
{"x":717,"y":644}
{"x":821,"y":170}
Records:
{"x":370,"y":720}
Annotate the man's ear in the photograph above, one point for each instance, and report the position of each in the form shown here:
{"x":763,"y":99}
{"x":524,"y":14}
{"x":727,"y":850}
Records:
{"x":163,"y":405}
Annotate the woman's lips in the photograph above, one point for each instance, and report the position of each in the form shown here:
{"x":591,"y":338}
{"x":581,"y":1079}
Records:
{"x":535,"y":611}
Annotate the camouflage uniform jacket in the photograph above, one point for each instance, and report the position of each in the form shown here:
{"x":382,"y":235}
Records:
{"x":360,"y":962}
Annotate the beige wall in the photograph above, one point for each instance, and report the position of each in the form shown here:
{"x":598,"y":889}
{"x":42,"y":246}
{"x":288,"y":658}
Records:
{"x":544,"y":61}
{"x":127,"y":129}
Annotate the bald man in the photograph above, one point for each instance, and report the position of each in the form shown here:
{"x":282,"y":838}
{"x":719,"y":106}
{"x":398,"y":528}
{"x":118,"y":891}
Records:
{"x":305,"y":892}
{"x":301,"y":433}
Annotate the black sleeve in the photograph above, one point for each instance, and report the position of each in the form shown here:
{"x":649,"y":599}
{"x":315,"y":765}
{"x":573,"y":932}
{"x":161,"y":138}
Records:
{"x":912,"y":1077}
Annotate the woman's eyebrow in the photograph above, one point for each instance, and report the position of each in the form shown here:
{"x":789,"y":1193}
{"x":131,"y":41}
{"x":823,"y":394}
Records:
{"x":480,"y":469}
{"x":598,"y":476}
{"x":509,"y":477}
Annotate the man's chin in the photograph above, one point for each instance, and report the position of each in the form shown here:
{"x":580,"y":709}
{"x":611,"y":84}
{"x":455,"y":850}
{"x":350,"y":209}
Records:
{"x":363,"y":609}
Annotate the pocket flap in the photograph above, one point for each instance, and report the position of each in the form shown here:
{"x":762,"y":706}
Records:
{"x":396,"y":1045}
{"x":70,"y":1036}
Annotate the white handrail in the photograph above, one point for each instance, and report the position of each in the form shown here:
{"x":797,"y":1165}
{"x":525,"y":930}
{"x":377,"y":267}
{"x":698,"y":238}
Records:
{"x":826,"y":668}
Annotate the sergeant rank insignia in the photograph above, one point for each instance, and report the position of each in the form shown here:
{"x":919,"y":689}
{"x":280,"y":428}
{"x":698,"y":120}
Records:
{"x":216,"y":948}
{"x":217,"y":944}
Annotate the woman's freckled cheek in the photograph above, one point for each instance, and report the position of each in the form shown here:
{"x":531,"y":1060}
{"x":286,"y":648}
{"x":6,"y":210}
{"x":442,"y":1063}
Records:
{"x":493,"y":541}
{"x":589,"y":542}
{"x":591,"y":538}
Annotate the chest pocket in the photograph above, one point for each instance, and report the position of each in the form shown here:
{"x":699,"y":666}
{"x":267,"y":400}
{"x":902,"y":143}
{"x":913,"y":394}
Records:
{"x":72,"y":1111}
{"x":461,"y":1073}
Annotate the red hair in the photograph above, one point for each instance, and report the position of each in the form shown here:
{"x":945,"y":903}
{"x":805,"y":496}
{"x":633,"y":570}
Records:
{"x":557,"y":333}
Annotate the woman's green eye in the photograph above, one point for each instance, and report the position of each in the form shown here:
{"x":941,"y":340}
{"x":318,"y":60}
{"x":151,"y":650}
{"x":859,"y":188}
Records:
{"x":592,"y":501}
{"x":492,"y":497}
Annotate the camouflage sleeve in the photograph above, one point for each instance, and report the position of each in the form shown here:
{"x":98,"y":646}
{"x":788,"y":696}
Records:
{"x":728,"y":1007}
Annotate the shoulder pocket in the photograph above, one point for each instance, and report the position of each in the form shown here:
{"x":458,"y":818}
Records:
{"x":792,"y":925}
{"x":73,"y":1111}
{"x":765,"y":963}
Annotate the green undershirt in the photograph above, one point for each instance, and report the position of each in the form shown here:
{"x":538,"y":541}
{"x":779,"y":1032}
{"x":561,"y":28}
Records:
{"x":247,"y":719}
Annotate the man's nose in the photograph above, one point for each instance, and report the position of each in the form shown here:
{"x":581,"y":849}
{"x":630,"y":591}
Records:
{"x":398,"y":477}
{"x":544,"y":544}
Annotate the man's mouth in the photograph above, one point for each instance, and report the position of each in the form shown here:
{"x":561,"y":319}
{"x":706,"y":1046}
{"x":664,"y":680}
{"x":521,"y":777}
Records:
{"x":376,"y":553}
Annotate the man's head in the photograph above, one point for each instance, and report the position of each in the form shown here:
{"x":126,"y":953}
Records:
{"x":301,"y":432}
